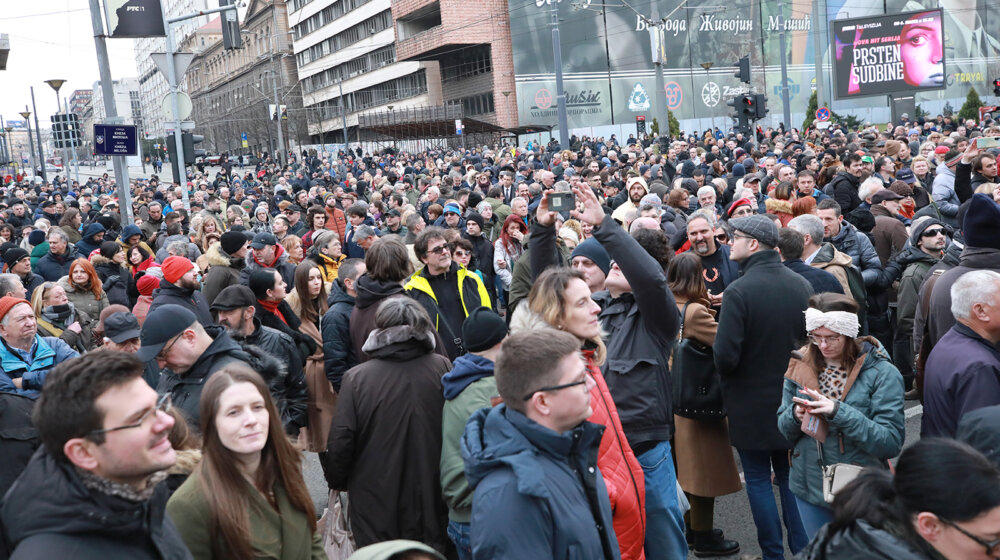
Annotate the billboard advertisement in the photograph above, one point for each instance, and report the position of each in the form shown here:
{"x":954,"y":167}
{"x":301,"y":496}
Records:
{"x":608,"y":51}
{"x":888,"y":54}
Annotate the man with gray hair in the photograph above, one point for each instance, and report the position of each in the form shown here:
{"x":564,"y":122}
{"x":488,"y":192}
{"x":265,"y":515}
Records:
{"x":720,"y":270}
{"x":823,"y":255}
{"x":11,"y":285}
{"x":963,"y":369}
{"x":55,"y":264}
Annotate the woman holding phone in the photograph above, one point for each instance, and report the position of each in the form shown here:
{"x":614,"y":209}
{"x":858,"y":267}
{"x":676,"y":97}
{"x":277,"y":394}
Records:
{"x":842,"y":397}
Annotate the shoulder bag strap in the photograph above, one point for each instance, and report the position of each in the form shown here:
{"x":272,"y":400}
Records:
{"x":680,"y":331}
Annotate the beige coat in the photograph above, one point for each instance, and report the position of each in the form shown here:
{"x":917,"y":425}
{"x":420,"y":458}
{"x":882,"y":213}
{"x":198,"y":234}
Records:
{"x":705,"y":464}
{"x":322,"y":398}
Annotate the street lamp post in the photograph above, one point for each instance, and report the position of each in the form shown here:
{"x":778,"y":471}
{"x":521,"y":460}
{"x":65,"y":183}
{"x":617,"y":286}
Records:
{"x":31,"y":142}
{"x":708,"y":66}
{"x":56,"y":140}
{"x":10,"y":149}
{"x":38,"y":137}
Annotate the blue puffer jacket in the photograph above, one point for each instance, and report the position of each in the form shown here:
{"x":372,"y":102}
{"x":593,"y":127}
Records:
{"x":46,"y":353}
{"x":857,"y":246}
{"x":536,"y":490}
{"x":866,"y":429}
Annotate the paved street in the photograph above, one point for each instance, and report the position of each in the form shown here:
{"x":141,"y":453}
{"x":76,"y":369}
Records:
{"x":732,"y":513}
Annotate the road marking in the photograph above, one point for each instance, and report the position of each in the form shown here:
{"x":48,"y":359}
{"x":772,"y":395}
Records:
{"x":914,"y":411}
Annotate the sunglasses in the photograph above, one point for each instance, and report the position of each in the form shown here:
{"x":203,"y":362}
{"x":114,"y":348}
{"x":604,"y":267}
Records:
{"x":722,"y":238}
{"x":439,"y":250}
{"x":932,"y":232}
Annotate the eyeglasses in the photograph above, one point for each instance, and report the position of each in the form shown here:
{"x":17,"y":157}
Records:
{"x":747,"y":237}
{"x":163,"y":353}
{"x":819,"y":340}
{"x":163,"y":404}
{"x":556,"y":388}
{"x":932,"y":232}
{"x":439,"y":250}
{"x":992,"y":547}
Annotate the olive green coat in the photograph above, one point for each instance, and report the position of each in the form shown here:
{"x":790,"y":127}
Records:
{"x":277,"y":536}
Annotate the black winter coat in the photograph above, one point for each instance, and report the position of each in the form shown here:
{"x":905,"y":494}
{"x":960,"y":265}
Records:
{"x":49,"y":513}
{"x":844,"y":189}
{"x":761,"y":322}
{"x":338,"y":355}
{"x":291,"y":327}
{"x":31,"y":282}
{"x":114,"y":280}
{"x":862,"y":540}
{"x":387,"y":420}
{"x":273,"y":355}
{"x":185,"y":389}
{"x":190,"y":299}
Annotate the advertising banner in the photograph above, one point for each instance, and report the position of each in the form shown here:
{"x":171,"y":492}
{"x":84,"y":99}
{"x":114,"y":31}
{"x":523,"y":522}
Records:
{"x":888,"y":54}
{"x":134,"y":18}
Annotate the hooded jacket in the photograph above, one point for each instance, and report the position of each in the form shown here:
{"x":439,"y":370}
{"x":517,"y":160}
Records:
{"x":542,"y":486}
{"x":943,"y":193}
{"x":49,"y":513}
{"x":114,"y":280}
{"x":189,"y":298}
{"x":193,"y":251}
{"x":371,"y":293}
{"x":844,"y":189}
{"x":338,"y":354}
{"x":469,"y":386}
{"x":866,"y":429}
{"x":385,"y":438}
{"x":132,"y":230}
{"x":87,"y":245}
{"x":185,"y":388}
{"x":857,"y":246}
{"x":908,"y":292}
{"x":224,"y":271}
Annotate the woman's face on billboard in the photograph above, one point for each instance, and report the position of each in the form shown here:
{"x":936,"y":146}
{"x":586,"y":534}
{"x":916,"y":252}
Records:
{"x":921,"y":50}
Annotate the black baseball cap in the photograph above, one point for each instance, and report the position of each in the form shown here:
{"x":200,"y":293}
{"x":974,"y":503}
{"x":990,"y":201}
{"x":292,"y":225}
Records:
{"x":162,"y":324}
{"x":263,"y":239}
{"x":121,"y":326}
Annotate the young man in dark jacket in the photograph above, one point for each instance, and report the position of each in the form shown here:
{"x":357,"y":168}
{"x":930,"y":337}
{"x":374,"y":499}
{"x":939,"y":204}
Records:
{"x":532,"y":461}
{"x":338,"y":354}
{"x":227,"y":259}
{"x":95,"y":491}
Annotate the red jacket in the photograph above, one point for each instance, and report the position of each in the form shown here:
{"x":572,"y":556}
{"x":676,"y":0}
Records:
{"x":621,"y":470}
{"x":336,"y":220}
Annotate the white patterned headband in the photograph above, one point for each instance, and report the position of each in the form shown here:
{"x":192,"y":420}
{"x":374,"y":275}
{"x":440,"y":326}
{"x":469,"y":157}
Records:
{"x":840,"y":322}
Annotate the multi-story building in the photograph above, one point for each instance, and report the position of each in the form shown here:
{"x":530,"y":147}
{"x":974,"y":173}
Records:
{"x":79,"y":100}
{"x":153,"y":84}
{"x":351,"y":44}
{"x":233,"y":90}
{"x":471,"y":43}
{"x":127,"y":101}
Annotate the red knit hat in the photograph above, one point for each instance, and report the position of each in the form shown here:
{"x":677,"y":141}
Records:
{"x":147,"y":284}
{"x":7,"y":303}
{"x":175,"y":267}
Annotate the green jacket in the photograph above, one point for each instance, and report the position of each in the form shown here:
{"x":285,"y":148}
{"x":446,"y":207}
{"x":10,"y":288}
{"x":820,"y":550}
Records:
{"x":454,"y":486}
{"x":867,"y":428}
{"x":908,"y":294}
{"x":279,"y":536}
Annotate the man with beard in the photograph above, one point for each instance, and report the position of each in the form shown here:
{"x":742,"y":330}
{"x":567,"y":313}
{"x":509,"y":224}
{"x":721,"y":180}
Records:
{"x":180,"y":287}
{"x":636,"y":189}
{"x":844,"y":186}
{"x":235,"y":307}
{"x":719,"y":270}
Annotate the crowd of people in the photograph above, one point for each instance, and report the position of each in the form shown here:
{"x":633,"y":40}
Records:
{"x":484,"y":348}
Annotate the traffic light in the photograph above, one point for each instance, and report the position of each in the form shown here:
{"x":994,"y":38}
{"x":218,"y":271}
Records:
{"x":231,"y":38}
{"x":743,"y":69}
{"x":748,"y":106}
{"x":190,"y":140}
{"x":760,"y":103}
{"x":738,"y":115}
{"x":996,"y":87}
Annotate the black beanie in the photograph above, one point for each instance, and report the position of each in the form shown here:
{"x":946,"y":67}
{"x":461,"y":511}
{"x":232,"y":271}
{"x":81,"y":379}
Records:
{"x":232,"y":241}
{"x":109,"y":248}
{"x":13,"y":256}
{"x":483,"y":329}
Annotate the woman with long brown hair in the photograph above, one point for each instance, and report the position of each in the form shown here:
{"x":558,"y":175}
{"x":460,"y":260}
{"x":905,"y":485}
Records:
{"x":247,"y":499}
{"x":70,"y":223}
{"x":308,"y":301}
{"x":705,"y":465}
{"x":84,"y":288}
